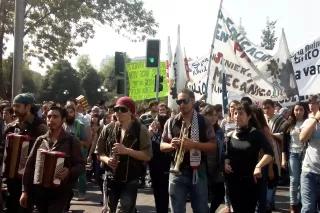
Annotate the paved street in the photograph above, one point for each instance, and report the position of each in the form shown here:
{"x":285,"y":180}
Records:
{"x":145,"y":201}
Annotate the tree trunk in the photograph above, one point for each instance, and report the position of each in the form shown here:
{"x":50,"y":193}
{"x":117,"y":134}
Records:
{"x":2,"y":19}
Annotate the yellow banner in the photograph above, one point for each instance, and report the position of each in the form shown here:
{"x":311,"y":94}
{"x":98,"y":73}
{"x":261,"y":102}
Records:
{"x":142,"y":81}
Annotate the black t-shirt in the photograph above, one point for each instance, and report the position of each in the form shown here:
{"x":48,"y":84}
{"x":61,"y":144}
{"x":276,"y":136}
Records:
{"x":243,"y":151}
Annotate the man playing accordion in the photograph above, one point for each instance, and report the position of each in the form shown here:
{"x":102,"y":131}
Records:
{"x":27,"y":125}
{"x":67,"y":166}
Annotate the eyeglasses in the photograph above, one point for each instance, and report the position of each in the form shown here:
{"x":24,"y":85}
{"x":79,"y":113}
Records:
{"x":184,"y":101}
{"x":121,"y":109}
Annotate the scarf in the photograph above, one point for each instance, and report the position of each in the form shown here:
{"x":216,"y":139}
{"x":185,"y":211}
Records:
{"x":195,"y":155}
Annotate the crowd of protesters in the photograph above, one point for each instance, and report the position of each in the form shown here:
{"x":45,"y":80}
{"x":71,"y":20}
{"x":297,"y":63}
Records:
{"x":194,"y":154}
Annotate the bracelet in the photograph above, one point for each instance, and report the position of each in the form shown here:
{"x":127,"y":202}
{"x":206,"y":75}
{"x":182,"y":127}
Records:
{"x":258,"y":167}
{"x":315,"y":119}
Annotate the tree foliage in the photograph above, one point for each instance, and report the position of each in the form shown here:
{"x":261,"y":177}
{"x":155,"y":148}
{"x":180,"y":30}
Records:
{"x":54,"y":29}
{"x":84,"y":65}
{"x":90,"y":80}
{"x":268,"y":35}
{"x":61,"y":83}
{"x":31,"y":81}
{"x":90,"y":84}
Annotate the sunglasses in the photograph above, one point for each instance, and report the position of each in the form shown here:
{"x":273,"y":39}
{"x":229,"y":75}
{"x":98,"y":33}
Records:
{"x":121,"y":109}
{"x":184,"y":101}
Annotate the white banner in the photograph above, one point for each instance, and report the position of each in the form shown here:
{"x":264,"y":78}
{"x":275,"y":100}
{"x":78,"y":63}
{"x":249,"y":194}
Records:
{"x":250,"y":70}
{"x":306,"y":64}
{"x":177,"y":74}
{"x":198,"y":73}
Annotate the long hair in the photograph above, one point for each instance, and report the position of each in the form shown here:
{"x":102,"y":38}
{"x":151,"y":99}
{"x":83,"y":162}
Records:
{"x":237,"y":103}
{"x":249,"y":109}
{"x":209,"y":110}
{"x":259,"y":115}
{"x":293,"y":119}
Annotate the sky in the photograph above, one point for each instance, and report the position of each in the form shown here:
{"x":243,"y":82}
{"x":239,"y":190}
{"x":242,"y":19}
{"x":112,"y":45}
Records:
{"x":197,"y":22}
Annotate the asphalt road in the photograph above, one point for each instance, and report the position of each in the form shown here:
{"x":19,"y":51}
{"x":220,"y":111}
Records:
{"x":145,"y":201}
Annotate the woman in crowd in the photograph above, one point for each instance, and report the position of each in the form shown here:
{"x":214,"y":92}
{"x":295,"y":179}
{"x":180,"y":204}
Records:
{"x":214,"y":160}
{"x":228,"y":124}
{"x":299,"y":114}
{"x":242,"y":165}
{"x":97,"y":171}
{"x":272,"y":171}
{"x":310,"y":175}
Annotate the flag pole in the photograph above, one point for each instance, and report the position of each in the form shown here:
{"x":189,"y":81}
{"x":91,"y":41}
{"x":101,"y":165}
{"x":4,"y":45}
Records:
{"x":211,"y":51}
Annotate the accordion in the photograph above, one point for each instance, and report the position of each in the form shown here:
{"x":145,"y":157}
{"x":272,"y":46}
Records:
{"x":16,"y":155}
{"x":48,"y":164}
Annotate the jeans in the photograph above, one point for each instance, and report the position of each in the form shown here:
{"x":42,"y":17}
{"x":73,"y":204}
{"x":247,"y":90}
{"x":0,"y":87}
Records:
{"x":310,"y":192}
{"x":123,"y":193}
{"x":271,"y":194}
{"x":295,"y":164}
{"x":181,"y":185}
{"x":82,"y":180}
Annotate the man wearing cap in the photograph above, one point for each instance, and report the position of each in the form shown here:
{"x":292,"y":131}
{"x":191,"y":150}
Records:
{"x":123,"y":146}
{"x":27,"y":123}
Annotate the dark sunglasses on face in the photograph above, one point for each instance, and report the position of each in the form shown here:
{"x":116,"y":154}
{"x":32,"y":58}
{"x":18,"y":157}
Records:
{"x":121,"y":109}
{"x":184,"y":101}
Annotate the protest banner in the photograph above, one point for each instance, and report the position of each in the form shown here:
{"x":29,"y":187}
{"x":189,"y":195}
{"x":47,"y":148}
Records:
{"x":250,"y":70}
{"x":142,"y":80}
{"x":306,"y":64}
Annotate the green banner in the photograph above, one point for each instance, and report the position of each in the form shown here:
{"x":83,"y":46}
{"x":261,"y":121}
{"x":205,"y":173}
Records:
{"x":142,"y":80}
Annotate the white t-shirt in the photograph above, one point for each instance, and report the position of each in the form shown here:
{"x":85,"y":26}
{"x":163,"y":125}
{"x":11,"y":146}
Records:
{"x":296,"y":146}
{"x":311,"y":162}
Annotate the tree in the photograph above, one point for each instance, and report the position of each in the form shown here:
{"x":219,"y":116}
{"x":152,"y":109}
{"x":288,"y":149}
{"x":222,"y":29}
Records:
{"x":90,"y":80}
{"x":56,"y":28}
{"x":84,"y":65}
{"x":31,"y":80}
{"x":90,"y":84}
{"x":61,"y":83}
{"x":107,"y":73}
{"x":268,"y":35}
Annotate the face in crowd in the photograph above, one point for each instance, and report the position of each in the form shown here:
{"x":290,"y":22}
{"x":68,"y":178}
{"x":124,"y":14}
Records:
{"x":211,"y":114}
{"x":242,"y":117}
{"x":185,"y":103}
{"x":54,"y":120}
{"x":21,"y":110}
{"x":162,"y":110}
{"x":314,"y":105}
{"x":154,"y":108}
{"x":7,"y":115}
{"x":299,"y":112}
{"x":268,"y":110}
{"x":71,"y":116}
{"x":122,"y":113}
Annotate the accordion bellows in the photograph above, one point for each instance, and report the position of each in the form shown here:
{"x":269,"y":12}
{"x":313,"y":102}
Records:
{"x":16,"y":155}
{"x":48,"y":164}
